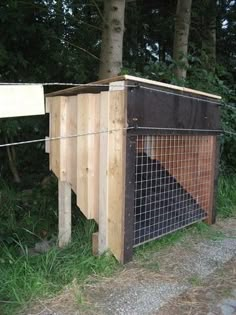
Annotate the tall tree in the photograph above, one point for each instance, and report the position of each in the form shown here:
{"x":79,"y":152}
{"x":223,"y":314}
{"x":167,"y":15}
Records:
{"x":112,"y":38}
{"x":182,"y":26}
{"x":209,"y":34}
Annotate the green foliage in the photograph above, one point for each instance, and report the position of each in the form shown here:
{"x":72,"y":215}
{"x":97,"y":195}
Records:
{"x":25,"y":213}
{"x":48,"y":40}
{"x":226,"y":197}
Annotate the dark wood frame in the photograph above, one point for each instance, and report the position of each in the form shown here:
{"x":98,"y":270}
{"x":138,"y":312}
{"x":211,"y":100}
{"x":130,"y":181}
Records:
{"x":160,"y":115}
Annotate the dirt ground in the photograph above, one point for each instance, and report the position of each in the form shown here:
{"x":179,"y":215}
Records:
{"x":194,"y":276}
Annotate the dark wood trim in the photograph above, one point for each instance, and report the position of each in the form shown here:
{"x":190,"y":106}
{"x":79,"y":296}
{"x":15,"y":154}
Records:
{"x":152,"y":108}
{"x":129,"y":199}
{"x":153,"y":132}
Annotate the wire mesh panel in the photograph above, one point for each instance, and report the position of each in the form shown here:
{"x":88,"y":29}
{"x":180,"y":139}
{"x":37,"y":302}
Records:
{"x":173,"y":183}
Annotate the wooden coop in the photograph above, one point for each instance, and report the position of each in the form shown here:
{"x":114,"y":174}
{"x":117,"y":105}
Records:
{"x":140,"y":155}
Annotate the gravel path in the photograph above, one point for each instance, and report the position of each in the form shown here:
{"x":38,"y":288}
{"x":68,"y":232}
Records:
{"x":144,"y":295}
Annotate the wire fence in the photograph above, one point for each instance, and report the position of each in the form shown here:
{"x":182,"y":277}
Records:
{"x":173,"y":183}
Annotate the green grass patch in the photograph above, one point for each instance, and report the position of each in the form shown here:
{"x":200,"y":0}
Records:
{"x":195,"y":281}
{"x":25,"y":277}
{"x":226,"y":197}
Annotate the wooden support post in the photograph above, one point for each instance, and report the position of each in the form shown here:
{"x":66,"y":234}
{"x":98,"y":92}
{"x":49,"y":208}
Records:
{"x":64,"y":208}
{"x":103,"y":187}
{"x":112,"y":173}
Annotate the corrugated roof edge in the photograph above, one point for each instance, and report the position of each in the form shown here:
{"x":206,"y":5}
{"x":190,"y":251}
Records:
{"x":76,"y":89}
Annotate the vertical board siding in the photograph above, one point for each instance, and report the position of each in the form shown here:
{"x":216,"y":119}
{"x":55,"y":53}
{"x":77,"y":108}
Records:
{"x":88,"y":154}
{"x":112,"y":173}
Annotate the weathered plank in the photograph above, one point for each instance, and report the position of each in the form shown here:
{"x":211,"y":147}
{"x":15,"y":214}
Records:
{"x":71,"y":142}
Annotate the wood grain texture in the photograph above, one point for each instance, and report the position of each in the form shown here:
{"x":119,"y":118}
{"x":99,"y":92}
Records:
{"x":112,"y":173}
{"x":88,"y":154}
{"x":54,"y":104}
{"x":103,"y":178}
{"x":71,"y":143}
{"x":116,"y":173}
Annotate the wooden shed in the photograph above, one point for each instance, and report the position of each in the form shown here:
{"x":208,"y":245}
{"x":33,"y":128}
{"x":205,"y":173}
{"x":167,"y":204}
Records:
{"x":140,"y":155}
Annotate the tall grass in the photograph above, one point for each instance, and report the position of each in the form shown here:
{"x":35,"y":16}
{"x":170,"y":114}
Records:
{"x":226,"y":196}
{"x":24,"y":277}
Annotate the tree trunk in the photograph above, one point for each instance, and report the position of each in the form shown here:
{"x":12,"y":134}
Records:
{"x":209,"y":35}
{"x":112,"y":38}
{"x":182,"y":26}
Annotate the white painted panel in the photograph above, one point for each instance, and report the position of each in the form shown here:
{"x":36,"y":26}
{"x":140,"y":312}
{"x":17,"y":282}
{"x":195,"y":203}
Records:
{"x":21,"y":100}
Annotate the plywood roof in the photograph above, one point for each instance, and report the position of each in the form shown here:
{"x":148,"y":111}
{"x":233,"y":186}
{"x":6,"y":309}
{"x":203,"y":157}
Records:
{"x":95,"y":86}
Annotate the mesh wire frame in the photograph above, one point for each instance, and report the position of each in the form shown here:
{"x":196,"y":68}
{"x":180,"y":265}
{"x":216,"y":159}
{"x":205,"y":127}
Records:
{"x":172,"y":180}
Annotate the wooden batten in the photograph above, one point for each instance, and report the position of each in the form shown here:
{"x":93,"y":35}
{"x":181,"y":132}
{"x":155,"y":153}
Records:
{"x":103,"y":179}
{"x":54,"y":106}
{"x":112,"y":186}
{"x":88,"y":154}
{"x":70,"y":144}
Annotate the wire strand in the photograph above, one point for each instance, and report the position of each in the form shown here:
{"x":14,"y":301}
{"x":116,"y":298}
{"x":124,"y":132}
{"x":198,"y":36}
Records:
{"x":221,"y":131}
{"x":62,"y":137}
{"x":179,"y":129}
{"x":71,"y":84}
{"x":176,"y":94}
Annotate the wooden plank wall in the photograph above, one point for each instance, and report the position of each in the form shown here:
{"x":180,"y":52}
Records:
{"x":96,"y":172}
{"x":75,"y":159}
{"x":62,"y":160}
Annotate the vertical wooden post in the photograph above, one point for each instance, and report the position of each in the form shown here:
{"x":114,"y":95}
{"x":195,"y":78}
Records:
{"x":64,"y":208}
{"x":112,"y":172}
{"x":103,"y":187}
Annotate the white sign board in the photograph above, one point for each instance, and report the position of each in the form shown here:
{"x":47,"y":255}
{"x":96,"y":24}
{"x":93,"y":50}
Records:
{"x":21,"y":100}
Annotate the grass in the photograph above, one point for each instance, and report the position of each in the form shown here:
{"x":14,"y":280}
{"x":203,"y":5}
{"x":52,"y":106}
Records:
{"x":226,"y":197}
{"x":28,"y":277}
{"x":25,"y":278}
